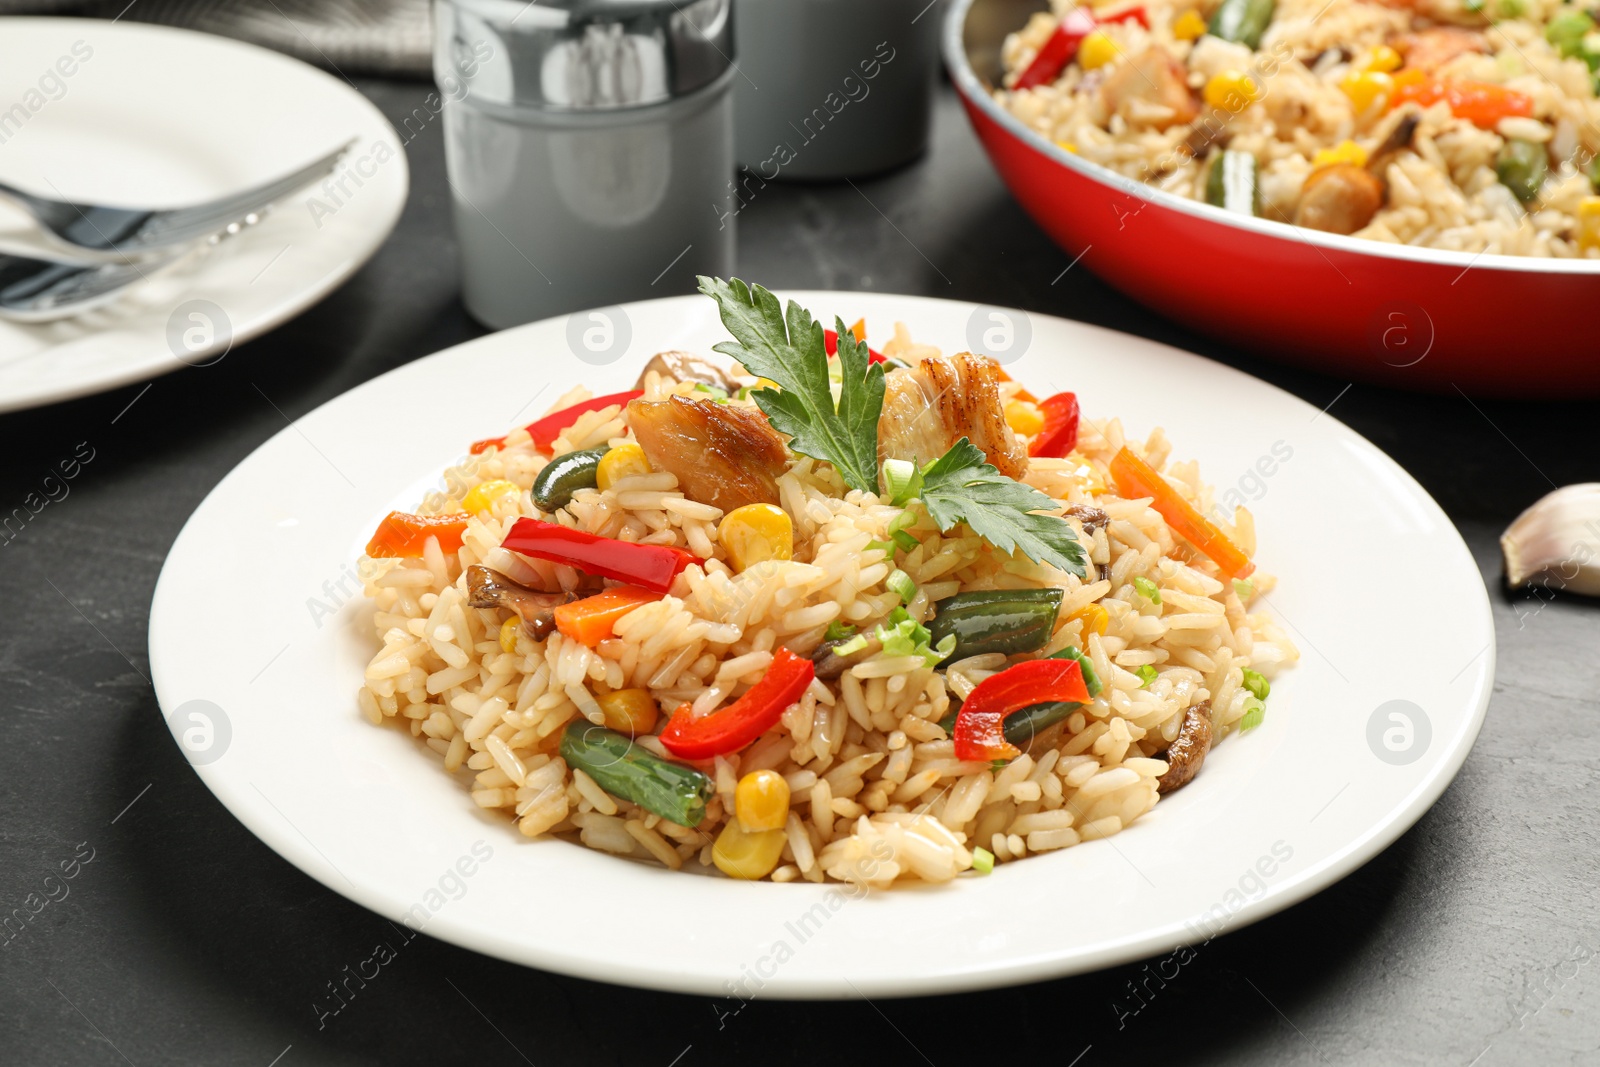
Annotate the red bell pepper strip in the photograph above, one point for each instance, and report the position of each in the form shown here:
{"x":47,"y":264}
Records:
{"x":1481,"y":103}
{"x":1060,"y":433}
{"x":546,"y":430}
{"x":652,"y":567}
{"x":979,"y":729}
{"x":1135,"y":478}
{"x":1062,"y":47}
{"x":830,"y":341}
{"x":403,"y":536}
{"x":735,"y":726}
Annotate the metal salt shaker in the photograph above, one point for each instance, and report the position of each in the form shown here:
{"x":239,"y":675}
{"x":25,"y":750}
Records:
{"x":589,"y":145}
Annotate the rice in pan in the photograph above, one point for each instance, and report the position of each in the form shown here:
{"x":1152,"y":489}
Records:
{"x":1469,"y":125}
{"x":784,"y":704}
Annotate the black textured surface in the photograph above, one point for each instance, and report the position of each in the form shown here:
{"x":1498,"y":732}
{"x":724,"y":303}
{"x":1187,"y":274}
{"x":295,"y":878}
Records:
{"x":184,"y":940}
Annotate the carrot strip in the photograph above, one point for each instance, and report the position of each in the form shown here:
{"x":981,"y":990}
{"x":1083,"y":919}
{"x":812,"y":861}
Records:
{"x":591,"y":619}
{"x":1135,"y":478}
{"x":403,"y":536}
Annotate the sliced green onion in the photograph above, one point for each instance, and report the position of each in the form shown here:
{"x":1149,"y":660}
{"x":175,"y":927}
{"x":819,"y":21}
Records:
{"x":1147,"y":674}
{"x":718,"y":393}
{"x":1244,"y":588}
{"x":900,"y":582}
{"x":899,"y":532}
{"x":886,"y":547}
{"x":837,"y":631}
{"x":902,"y":635}
{"x":997,"y":765}
{"x":852,"y":646}
{"x":1147,"y":589}
{"x":1257,"y":685}
{"x":1255,"y":711}
{"x":745,"y":391}
{"x":902,"y":479}
{"x":982,"y":860}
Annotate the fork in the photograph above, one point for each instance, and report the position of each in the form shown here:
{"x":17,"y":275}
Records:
{"x":101,"y":233}
{"x":42,"y":290}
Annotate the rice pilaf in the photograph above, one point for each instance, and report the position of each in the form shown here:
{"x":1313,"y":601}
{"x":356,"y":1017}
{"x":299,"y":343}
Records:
{"x":1468,"y":125}
{"x":859,"y":777}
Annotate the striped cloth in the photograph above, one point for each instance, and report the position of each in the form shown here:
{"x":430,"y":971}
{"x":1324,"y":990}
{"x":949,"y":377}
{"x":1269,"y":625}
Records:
{"x":348,"y":36}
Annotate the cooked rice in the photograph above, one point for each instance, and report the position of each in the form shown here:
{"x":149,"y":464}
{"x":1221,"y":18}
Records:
{"x":876,"y":791}
{"x":1444,"y":193}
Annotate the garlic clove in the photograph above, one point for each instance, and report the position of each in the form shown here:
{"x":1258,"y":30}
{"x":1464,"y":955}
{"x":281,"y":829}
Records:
{"x":1556,"y":542}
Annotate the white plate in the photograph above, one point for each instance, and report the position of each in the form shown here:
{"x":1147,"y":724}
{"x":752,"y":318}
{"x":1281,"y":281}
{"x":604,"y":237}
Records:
{"x":160,"y":117}
{"x":1377,"y":589}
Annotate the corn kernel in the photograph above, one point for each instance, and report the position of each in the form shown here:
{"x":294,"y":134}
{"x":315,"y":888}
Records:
{"x":1232,"y":90}
{"x":756,"y":533}
{"x":1589,"y":223}
{"x":1096,"y":50}
{"x":1085,"y":473}
{"x":1383,"y":59}
{"x":1023,"y":417}
{"x":1189,"y":26}
{"x":1067,"y":146}
{"x":508,"y":634}
{"x":743,"y":855}
{"x":621,"y":462}
{"x":482,"y":496}
{"x":761,"y":801}
{"x":1094,"y":618}
{"x":1343,"y":152}
{"x":629,"y":711}
{"x":1366,"y":87}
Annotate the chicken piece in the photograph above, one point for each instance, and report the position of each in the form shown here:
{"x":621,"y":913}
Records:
{"x":1188,"y":751}
{"x":1428,"y":50}
{"x":688,"y":367}
{"x":929,"y":407}
{"x":1340,"y":198}
{"x":722,"y":455}
{"x":1149,"y":90}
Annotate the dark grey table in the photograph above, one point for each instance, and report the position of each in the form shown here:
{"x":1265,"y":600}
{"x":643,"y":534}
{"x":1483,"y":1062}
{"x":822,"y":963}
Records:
{"x":184,"y":940}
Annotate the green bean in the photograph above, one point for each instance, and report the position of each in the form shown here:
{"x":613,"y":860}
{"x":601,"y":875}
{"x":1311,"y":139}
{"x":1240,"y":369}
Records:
{"x":1022,"y":726}
{"x":1232,"y":183}
{"x":673,"y":791}
{"x":1242,"y":21}
{"x":996,"y":620}
{"x":1522,"y":166}
{"x":565,"y":475}
{"x":1091,"y":680}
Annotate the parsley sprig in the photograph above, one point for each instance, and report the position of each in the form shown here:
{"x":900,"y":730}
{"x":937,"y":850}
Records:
{"x":788,"y":349}
{"x":786,"y":346}
{"x":961,"y":486}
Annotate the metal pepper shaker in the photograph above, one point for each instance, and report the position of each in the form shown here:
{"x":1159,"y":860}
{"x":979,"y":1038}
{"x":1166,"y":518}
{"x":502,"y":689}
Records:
{"x":588,"y":145}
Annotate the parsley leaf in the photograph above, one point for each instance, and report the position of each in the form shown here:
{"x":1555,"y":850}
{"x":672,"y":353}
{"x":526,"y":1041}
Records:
{"x":787,"y":348}
{"x":961,"y":487}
